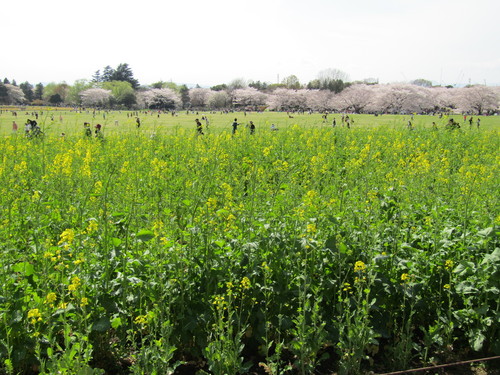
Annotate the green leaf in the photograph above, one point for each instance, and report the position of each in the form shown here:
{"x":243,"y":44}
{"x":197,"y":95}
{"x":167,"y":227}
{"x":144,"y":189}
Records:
{"x":25,"y":268}
{"x":116,"y":322}
{"x":101,"y":325}
{"x":116,"y":241}
{"x":342,"y":248}
{"x":220,"y":243}
{"x":145,"y":235}
{"x":477,"y":345}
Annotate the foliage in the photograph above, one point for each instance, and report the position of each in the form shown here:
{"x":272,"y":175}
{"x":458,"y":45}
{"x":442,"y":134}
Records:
{"x":123,"y":92}
{"x":312,"y":245}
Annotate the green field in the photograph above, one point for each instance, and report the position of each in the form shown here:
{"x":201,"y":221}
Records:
{"x":312,"y":248}
{"x":70,"y":122}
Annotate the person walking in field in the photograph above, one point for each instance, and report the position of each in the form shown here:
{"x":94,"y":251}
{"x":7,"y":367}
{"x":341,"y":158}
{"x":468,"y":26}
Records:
{"x":235,"y":125}
{"x":334,"y":123}
{"x":14,"y":126}
{"x":86,"y":127}
{"x":138,"y":122}
{"x":199,"y":127}
{"x":98,"y":133}
{"x":252,"y":127}
{"x":478,"y":122}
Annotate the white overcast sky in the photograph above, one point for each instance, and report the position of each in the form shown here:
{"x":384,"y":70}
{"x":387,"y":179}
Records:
{"x":215,"y":41}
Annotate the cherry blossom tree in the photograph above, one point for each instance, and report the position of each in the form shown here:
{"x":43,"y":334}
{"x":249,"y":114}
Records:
{"x":444,"y":99}
{"x":159,"y":99}
{"x":198,"y":97}
{"x":14,"y":94}
{"x":219,"y":100}
{"x":288,"y":100}
{"x":320,"y":100}
{"x":249,"y":98}
{"x":402,"y":98}
{"x":95,"y":97}
{"x":355,"y":98}
{"x":477,"y":99}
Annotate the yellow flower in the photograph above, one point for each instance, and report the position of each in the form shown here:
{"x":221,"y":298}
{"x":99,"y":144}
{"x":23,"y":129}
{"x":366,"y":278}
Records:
{"x":35,"y":316}
{"x":141,"y":319}
{"x":448,"y":264}
{"x":67,"y":236}
{"x":75,"y":280}
{"x":405,"y":277}
{"x":62,"y":305}
{"x":34,"y":313}
{"x":92,"y":226}
{"x":245,"y":283}
{"x":446,"y":286}
{"x":51,"y":297}
{"x":359,"y":266}
{"x":311,"y":228}
{"x":84,"y":301}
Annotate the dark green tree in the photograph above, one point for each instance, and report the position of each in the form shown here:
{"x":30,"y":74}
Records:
{"x":14,"y":83}
{"x":28,"y":91}
{"x":55,"y":99}
{"x":422,"y":82}
{"x":6,"y":81}
{"x":158,"y":85}
{"x":97,"y":76}
{"x":38,"y":91}
{"x":107,"y":74}
{"x":219,"y":87}
{"x":261,"y":86}
{"x":4,"y":94}
{"x":314,"y":84}
{"x":124,"y":73}
{"x":184,"y":91}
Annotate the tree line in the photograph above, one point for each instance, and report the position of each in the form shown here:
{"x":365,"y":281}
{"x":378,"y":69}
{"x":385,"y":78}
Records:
{"x":330,"y":91}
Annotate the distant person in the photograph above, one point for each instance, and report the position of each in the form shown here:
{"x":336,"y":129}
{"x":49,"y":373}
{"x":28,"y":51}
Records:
{"x":138,"y":122}
{"x":252,"y":127}
{"x":199,"y":127}
{"x":478,"y":122}
{"x":235,"y":125}
{"x":470,"y":121}
{"x":273,"y":127}
{"x":98,"y":128}
{"x":86,"y":127}
{"x":14,"y":126}
{"x":334,"y":123}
